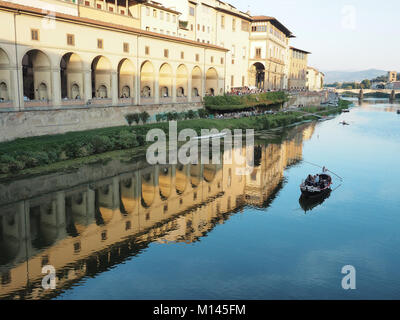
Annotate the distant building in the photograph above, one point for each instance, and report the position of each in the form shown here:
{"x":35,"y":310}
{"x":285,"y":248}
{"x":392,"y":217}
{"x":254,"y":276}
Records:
{"x":298,"y":69}
{"x":392,"y":76}
{"x":395,"y":85}
{"x":315,"y":79}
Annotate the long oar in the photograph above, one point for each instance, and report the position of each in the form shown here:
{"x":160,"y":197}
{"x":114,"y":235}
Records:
{"x":322,"y":168}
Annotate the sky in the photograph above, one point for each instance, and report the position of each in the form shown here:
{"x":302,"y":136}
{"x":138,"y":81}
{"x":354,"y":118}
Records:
{"x":349,"y":35}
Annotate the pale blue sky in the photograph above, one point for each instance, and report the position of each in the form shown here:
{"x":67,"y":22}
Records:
{"x":341,"y":34}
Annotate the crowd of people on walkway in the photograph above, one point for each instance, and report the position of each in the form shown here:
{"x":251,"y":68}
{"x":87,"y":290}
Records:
{"x":242,"y":114}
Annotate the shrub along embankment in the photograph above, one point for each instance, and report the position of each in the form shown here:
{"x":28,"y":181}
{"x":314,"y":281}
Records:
{"x":27,"y":153}
{"x":228,"y":103}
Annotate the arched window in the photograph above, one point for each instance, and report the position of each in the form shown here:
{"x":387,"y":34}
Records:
{"x":3,"y":92}
{"x":181,"y":92}
{"x":146,"y":92}
{"x":102,"y":92}
{"x":42,"y":91}
{"x":164,"y":92}
{"x":125,"y":92}
{"x":75,"y":92}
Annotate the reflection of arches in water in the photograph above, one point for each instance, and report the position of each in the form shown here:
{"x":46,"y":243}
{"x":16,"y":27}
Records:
{"x":69,"y":218}
{"x":257,"y":155}
{"x":42,"y":234}
{"x":97,"y":213}
{"x":165,"y":182}
{"x":180,"y":178}
{"x":209,"y":172}
{"x":9,"y":240}
{"x":148,"y":190}
{"x":195,"y":175}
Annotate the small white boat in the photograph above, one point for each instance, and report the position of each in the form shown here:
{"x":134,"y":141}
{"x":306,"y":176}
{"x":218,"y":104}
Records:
{"x":211,"y":136}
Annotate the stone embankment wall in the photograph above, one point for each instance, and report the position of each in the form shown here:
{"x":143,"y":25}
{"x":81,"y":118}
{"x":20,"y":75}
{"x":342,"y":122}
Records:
{"x":307,"y":99}
{"x":14,"y":124}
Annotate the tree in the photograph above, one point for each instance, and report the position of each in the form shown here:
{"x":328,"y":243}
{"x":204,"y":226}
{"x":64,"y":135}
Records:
{"x":144,"y":116}
{"x":366,"y":84}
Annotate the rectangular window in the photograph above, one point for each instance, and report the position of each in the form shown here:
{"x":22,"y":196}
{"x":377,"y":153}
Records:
{"x":122,"y":12}
{"x":191,"y":11}
{"x":126,"y":47}
{"x":147,"y":11}
{"x":87,"y":3}
{"x":197,"y":57}
{"x":100,"y":43}
{"x":223,"y":22}
{"x":258,"y":53}
{"x":98,"y":6}
{"x":243,"y":81}
{"x":35,"y":34}
{"x":222,"y":60}
{"x":232,"y":81}
{"x":155,"y":13}
{"x":182,"y":55}
{"x":166,"y":53}
{"x":147,"y":50}
{"x":233,"y":24}
{"x":191,"y":27}
{"x":212,"y":59}
{"x":167,"y":16}
{"x":245,"y":26}
{"x":174,"y":18}
{"x":233,"y":61}
{"x":111,"y":9}
{"x":70,"y":39}
{"x":161,"y":15}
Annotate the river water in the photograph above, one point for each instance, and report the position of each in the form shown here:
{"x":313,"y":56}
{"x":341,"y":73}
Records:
{"x":127,"y":230}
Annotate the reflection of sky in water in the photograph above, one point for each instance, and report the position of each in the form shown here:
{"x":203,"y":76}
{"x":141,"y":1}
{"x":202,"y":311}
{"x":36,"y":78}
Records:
{"x":281,"y":252}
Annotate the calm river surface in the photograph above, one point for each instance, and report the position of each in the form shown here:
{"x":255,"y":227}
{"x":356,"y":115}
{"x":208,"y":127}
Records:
{"x":131,"y":231}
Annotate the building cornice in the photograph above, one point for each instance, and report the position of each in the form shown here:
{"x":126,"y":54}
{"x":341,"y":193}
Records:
{"x":16,"y":8}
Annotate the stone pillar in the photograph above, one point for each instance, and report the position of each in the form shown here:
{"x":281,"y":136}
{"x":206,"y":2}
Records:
{"x":156,"y":92}
{"x":136,"y":87}
{"x":174,"y":88}
{"x":87,"y":85}
{"x":189,"y":89}
{"x":17,"y":88}
{"x":56,"y":87}
{"x":114,"y":88}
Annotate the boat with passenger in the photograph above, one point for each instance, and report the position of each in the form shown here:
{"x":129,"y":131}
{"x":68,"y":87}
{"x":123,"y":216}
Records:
{"x":316,"y":185}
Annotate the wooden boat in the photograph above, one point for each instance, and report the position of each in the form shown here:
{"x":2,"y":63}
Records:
{"x":345,"y":110}
{"x":315,"y":186}
{"x":344,"y":123}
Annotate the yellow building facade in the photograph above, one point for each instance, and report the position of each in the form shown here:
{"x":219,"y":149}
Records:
{"x":298,"y":69}
{"x":315,"y":79}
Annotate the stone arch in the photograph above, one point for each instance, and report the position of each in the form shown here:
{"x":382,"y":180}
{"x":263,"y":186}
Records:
{"x":165,"y":80}
{"x":126,"y":78}
{"x":101,"y":77}
{"x":196,"y":82}
{"x":71,"y":71}
{"x":4,"y":76}
{"x":211,"y":82}
{"x":36,"y":70}
{"x":257,"y":75}
{"x":182,"y":84}
{"x":147,"y":80}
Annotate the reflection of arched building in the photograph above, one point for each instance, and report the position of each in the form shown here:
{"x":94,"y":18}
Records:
{"x":88,"y":228}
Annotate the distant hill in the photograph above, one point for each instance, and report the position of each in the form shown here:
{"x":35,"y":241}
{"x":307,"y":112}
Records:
{"x":348,"y":76}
